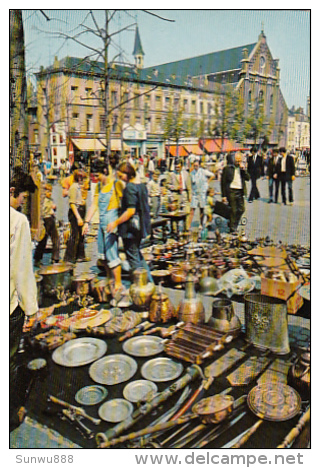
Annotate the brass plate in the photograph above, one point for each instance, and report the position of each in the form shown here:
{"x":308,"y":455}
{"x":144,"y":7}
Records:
{"x":139,"y":390}
{"x":274,"y":401}
{"x":115,"y":410}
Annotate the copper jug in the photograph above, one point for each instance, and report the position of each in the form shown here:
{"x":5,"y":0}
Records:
{"x":191,"y":308}
{"x":161,"y":308}
{"x":299,"y":375}
{"x":140,"y":290}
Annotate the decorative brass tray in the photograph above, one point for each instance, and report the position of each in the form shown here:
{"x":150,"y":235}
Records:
{"x":274,"y":401}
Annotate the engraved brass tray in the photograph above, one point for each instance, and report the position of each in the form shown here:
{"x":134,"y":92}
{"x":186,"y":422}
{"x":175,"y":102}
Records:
{"x":274,"y":401}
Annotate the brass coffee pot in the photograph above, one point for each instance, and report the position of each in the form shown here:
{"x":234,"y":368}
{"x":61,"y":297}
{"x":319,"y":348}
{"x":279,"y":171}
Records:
{"x":161,"y":308}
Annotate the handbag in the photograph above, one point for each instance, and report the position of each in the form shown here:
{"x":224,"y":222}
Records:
{"x":134,"y":225}
{"x":222,"y":210}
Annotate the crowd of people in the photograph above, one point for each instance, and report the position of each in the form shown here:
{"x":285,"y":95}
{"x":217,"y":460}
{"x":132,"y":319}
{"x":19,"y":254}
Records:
{"x":128,"y":195}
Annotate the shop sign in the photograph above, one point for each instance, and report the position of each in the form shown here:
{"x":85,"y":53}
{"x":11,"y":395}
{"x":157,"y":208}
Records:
{"x":134,"y":134}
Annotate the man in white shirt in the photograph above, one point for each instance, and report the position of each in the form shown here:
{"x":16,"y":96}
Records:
{"x":23,"y":294}
{"x":233,"y":188}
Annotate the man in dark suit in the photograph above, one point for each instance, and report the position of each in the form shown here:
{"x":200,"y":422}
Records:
{"x":233,"y":188}
{"x":254,"y":170}
{"x":285,"y":173}
{"x":271,"y":168}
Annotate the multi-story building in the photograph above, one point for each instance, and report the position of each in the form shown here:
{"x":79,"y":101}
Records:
{"x":298,"y":130}
{"x":72,"y":110}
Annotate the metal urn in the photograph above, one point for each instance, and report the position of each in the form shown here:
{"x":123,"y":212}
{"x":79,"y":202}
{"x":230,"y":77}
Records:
{"x":141,"y":290}
{"x":191,"y":308}
{"x":266,"y":323}
{"x":223,"y":317}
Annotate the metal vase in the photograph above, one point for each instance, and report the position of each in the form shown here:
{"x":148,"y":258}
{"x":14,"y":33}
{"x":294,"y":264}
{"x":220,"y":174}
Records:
{"x":266,"y":323}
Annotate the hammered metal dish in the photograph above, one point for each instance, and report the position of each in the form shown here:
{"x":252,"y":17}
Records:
{"x":79,"y":352}
{"x":139,"y":390}
{"x":142,"y":346}
{"x":116,"y":410}
{"x":91,"y":395}
{"x":161,"y":370}
{"x":113,"y":369}
{"x":274,"y":401}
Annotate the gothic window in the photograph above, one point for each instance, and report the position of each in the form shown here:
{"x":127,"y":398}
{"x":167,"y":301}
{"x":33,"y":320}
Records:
{"x":249,"y":98}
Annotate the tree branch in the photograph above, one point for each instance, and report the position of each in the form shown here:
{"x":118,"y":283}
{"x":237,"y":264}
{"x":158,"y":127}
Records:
{"x":160,"y":17}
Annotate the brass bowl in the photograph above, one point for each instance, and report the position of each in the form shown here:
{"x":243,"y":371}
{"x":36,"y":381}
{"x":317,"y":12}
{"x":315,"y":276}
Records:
{"x":214,"y":409}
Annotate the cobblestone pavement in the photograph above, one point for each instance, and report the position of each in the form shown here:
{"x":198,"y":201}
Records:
{"x":290,"y":224}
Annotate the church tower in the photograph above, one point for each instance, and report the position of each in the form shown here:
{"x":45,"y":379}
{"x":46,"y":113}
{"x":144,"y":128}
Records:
{"x":137,"y":50}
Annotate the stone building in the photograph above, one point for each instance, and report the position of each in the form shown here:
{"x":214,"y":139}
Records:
{"x":70,"y":96}
{"x":298,"y":130}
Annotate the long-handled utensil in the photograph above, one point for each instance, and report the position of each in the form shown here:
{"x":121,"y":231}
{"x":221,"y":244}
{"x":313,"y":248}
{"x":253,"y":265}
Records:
{"x":293,"y":434}
{"x":103,"y":439}
{"x":186,"y":438}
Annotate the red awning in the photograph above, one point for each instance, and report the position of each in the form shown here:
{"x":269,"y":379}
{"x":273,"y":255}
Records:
{"x":194,"y":149}
{"x":175,"y":150}
{"x":217,"y":146}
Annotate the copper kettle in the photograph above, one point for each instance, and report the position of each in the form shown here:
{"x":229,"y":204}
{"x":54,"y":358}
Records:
{"x":161,"y":308}
{"x":299,"y":375}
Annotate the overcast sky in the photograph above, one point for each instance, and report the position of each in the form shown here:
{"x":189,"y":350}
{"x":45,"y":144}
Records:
{"x":193,"y":32}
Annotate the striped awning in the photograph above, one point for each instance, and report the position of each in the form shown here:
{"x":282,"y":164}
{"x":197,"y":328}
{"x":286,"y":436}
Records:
{"x":216,"y":145}
{"x":94,"y":144}
{"x":175,"y":150}
{"x":194,"y":149}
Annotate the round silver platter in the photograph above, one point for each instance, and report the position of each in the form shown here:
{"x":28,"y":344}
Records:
{"x":142,"y":346}
{"x":161,"y":369}
{"x":91,"y":395}
{"x":113,"y":369}
{"x":115,"y":410}
{"x":139,"y":390}
{"x":79,"y":352}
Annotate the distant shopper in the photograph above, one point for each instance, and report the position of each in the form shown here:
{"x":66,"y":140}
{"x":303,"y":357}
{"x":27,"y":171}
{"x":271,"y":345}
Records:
{"x":48,"y":213}
{"x":271,"y":170}
{"x":255,"y":171}
{"x":285,"y":173}
{"x":77,"y":210}
{"x":200,"y":179}
{"x":233,"y":188}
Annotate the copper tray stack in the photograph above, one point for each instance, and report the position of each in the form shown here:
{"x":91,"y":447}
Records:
{"x":195,"y":343}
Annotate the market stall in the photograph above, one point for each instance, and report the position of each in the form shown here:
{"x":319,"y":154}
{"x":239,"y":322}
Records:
{"x":177,"y":365}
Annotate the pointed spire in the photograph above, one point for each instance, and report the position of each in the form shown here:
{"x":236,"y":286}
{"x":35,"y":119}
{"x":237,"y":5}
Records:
{"x":137,"y":50}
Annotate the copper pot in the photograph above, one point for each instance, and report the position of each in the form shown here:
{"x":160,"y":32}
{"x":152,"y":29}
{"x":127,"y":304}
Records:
{"x":214,"y":409}
{"x":82,"y":284}
{"x":299,"y":375}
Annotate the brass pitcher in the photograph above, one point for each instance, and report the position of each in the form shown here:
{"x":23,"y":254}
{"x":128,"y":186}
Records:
{"x":191,"y":308}
{"x":140,"y":290}
{"x":161,"y":308}
{"x":299,"y":375}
